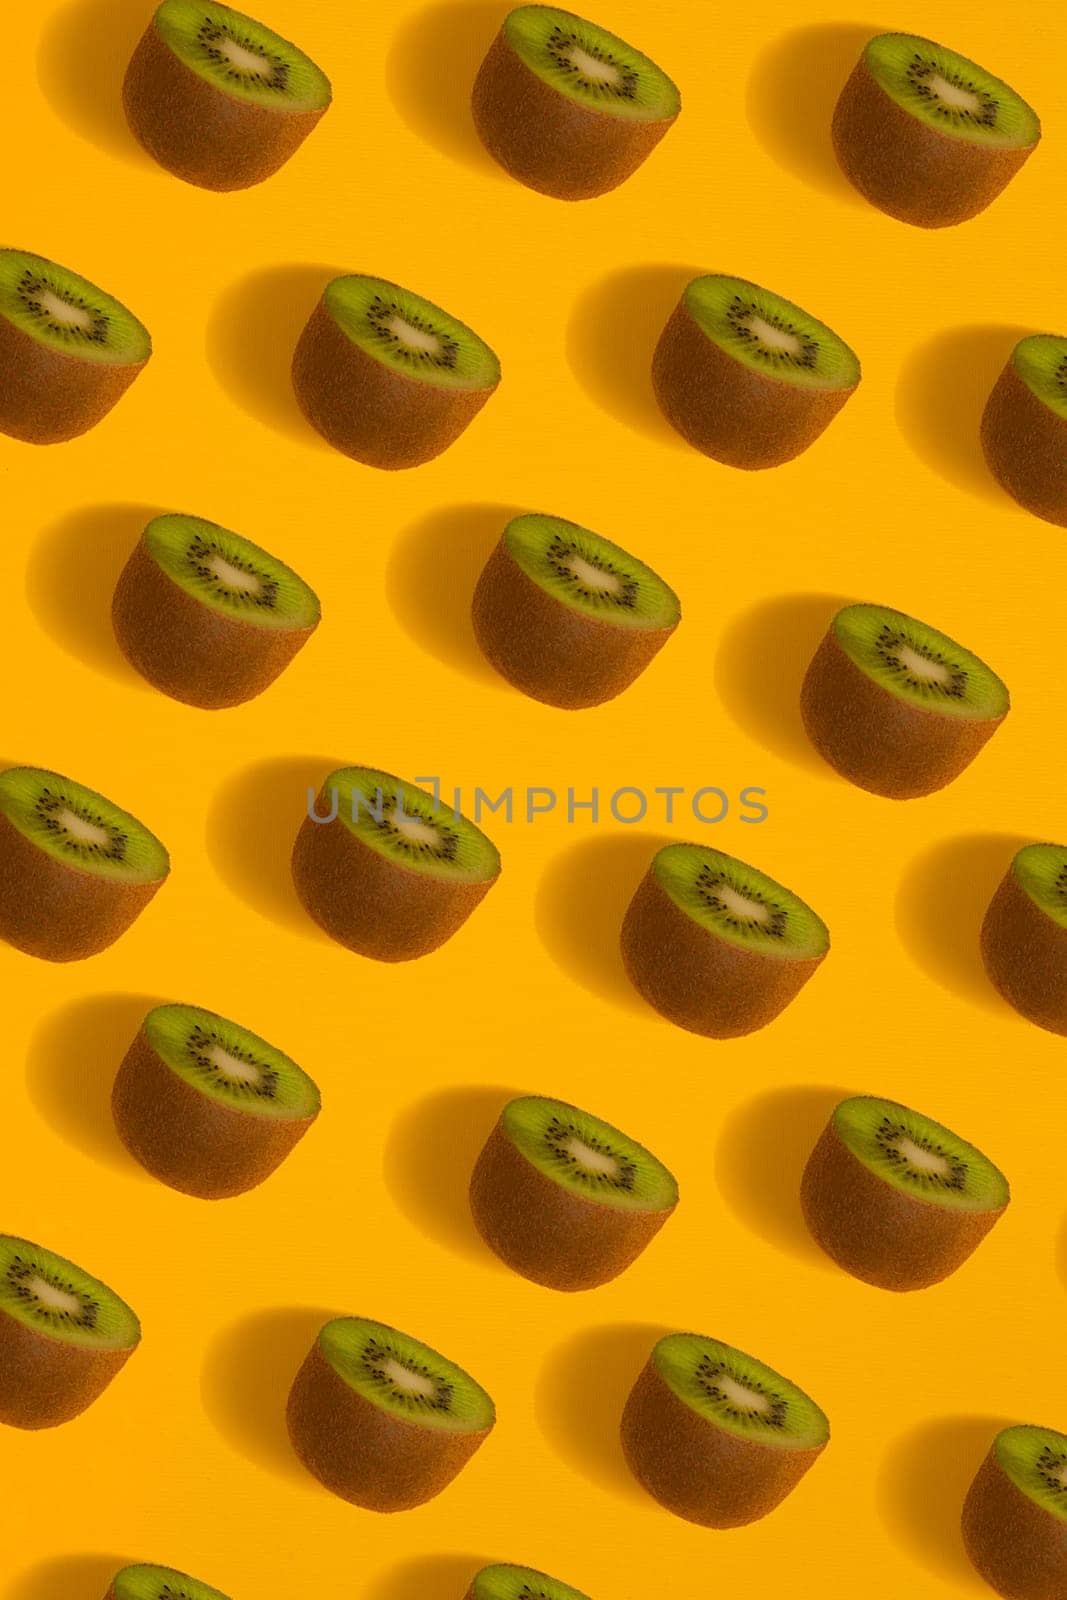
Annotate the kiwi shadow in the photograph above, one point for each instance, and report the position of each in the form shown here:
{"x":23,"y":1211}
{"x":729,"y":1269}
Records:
{"x":1061,"y":1253}
{"x":923,"y":1483}
{"x":941,"y":904}
{"x":430,"y":72}
{"x":71,"y":1066}
{"x":70,"y":581}
{"x":81,"y":62}
{"x":431,"y":578}
{"x":63,"y":1576}
{"x":428,"y":1159}
{"x":760,"y":1159}
{"x":611,"y":337}
{"x":248,"y":1372}
{"x":580,"y":1395}
{"x":428,"y":1578}
{"x":252,"y":333}
{"x":760,"y":667}
{"x":581,"y":903}
{"x":251,"y":828}
{"x":792,"y":91}
{"x":941,"y":395}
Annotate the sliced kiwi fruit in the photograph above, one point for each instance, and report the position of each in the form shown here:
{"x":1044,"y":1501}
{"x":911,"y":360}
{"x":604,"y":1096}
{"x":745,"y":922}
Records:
{"x":63,"y":1336}
{"x":207,"y":1106}
{"x":566,"y":107}
{"x":217,"y":98}
{"x":714,"y":1435}
{"x":159,"y":1583}
{"x":747,"y":377}
{"x":75,"y":871}
{"x":926,"y":135}
{"x":385,"y":869}
{"x":897,"y":707}
{"x":895,"y":1198}
{"x":568,"y":617}
{"x":68,"y":351}
{"x":382,"y":1420}
{"x":1024,"y":427}
{"x":715,"y":945}
{"x":1015,"y":1515}
{"x":505,"y":1582}
{"x":1024,"y":936}
{"x":206,"y":615}
{"x":564,"y":1198}
{"x":387,"y":377}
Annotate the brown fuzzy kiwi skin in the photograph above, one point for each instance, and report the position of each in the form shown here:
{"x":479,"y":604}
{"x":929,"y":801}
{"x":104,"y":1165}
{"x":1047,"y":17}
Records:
{"x":50,"y":397}
{"x":57,"y":912}
{"x":698,"y":981}
{"x":369,"y":411}
{"x":1019,"y":1548}
{"x":189,"y":650}
{"x":698,"y":1471}
{"x":364,"y":1454}
{"x":550,"y":142}
{"x":197,"y":131}
{"x":191,"y":1141}
{"x":372,"y":905}
{"x":552,"y":651}
{"x":550,"y":1234}
{"x":727,"y":410}
{"x":1025,"y":955}
{"x":909,"y":169}
{"x":1025,"y":446}
{"x":879,"y":741}
{"x":877,"y":1232}
{"x":44,"y":1382}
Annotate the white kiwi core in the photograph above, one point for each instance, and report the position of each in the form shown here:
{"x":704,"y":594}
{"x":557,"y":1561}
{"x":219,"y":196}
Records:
{"x":410,"y":1382}
{"x":597,"y":1161}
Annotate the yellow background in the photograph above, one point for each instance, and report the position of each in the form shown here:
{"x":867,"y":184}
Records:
{"x":184,"y":1461}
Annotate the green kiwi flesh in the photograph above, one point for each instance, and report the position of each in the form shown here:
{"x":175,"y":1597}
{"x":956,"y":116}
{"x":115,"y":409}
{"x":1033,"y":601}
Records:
{"x":589,"y":65}
{"x":381,"y":1419}
{"x":79,"y":827}
{"x":68,"y":351}
{"x":206,"y":615}
{"x":505,"y":1582}
{"x":159,"y":1583}
{"x":565,"y":1198}
{"x":1015,"y":1516}
{"x":897,"y":707}
{"x":216,"y":42}
{"x":1024,"y":936}
{"x":567,"y":616}
{"x":63,"y":1336}
{"x":716,"y":1436}
{"x":895,"y":1198}
{"x":1024,"y":427}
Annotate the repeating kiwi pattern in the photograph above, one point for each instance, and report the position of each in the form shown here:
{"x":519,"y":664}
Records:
{"x":718,"y":947}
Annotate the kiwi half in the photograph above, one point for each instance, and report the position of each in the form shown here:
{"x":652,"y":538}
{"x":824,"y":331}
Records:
{"x":63,"y":1336}
{"x":714,"y":1435}
{"x":895,"y":706}
{"x":745,"y":376}
{"x":394,"y":874}
{"x":895,"y":1198}
{"x":564,"y":1198}
{"x":1024,"y":427}
{"x":159,"y":1583}
{"x":207,"y":616}
{"x":566,"y":107}
{"x":505,"y":1582}
{"x":387,"y":377}
{"x":1015,"y":1515}
{"x":568,"y":617}
{"x":927,"y":135}
{"x":75,"y":871}
{"x":1024,"y":936}
{"x":218,"y":99}
{"x":207,"y":1106}
{"x":716,"y":946}
{"x":382,"y":1420}
{"x":68,"y":351}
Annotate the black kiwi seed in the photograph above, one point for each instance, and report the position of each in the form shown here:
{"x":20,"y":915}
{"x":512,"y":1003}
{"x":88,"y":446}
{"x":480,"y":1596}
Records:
{"x":447,"y":846}
{"x":376,"y":1354}
{"x":210,"y":36}
{"x":738,"y":317}
{"x":623,"y":87}
{"x":708,"y":884}
{"x":199,"y":558}
{"x":558,"y":556}
{"x":921,"y":69}
{"x":889,"y":643}
{"x":18,"y":1276}
{"x":1051,"y":1466}
{"x":710,"y":1371}
{"x":888,"y":1137}
{"x":48,"y":806}
{"x":199,"y":1045}
{"x":380,"y":314}
{"x":168,"y":1593}
{"x":557,"y":1136}
{"x":1061,"y":885}
{"x":31,"y":287}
